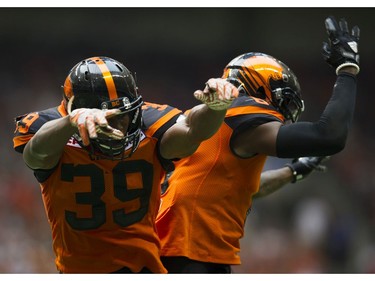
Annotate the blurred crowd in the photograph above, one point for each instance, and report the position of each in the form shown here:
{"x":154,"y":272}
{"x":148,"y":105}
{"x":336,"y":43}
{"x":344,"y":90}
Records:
{"x":325,"y":224}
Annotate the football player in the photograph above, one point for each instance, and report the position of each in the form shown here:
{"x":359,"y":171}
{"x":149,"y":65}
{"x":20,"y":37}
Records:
{"x":99,"y":157}
{"x":204,"y":207}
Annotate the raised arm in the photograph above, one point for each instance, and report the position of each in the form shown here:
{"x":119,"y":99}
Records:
{"x":328,"y":135}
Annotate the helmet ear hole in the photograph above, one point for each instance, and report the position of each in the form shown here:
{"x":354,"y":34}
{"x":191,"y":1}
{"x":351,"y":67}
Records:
{"x":86,"y":75}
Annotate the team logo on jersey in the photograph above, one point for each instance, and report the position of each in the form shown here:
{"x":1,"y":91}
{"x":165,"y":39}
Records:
{"x":141,"y":138}
{"x":73,"y":142}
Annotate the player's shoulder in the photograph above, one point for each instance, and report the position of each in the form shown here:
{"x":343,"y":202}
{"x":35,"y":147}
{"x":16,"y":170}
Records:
{"x":248,"y":111}
{"x":150,"y":107}
{"x":32,"y":121}
{"x":153,"y":113}
{"x":247,"y":105}
{"x":251,"y":101}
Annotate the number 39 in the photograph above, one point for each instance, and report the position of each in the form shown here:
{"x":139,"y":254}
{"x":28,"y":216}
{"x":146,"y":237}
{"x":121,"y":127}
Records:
{"x":121,"y":192}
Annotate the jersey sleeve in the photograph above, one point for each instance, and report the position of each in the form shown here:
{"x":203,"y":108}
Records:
{"x":157,"y":118}
{"x":28,"y":124}
{"x":247,"y":112}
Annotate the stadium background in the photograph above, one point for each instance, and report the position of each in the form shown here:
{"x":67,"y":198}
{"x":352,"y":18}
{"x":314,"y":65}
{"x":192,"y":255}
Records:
{"x":325,"y":224}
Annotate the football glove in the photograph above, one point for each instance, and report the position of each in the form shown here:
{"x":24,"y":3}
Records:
{"x":342,"y":47}
{"x":91,"y":121}
{"x":218,"y":94}
{"x":303,"y":166}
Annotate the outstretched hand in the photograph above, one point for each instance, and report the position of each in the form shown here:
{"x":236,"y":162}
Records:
{"x":91,"y":121}
{"x":342,"y":47}
{"x":218,"y":94}
{"x":303,"y":166}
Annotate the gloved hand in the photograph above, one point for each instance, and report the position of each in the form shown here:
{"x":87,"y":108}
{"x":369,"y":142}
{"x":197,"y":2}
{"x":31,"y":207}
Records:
{"x":91,"y":121}
{"x":342,"y":49}
{"x":218,"y":94}
{"x":303,"y":166}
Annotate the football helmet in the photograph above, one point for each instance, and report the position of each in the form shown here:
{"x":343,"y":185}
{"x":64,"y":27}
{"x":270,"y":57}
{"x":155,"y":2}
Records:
{"x":263,"y":76}
{"x":104,"y":83}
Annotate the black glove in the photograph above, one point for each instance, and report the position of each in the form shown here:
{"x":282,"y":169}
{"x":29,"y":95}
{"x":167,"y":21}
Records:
{"x":342,"y":49}
{"x":303,"y":166}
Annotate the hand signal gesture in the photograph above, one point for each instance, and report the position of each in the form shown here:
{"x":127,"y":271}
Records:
{"x":342,"y":47}
{"x":218,"y":94}
{"x":91,"y":121}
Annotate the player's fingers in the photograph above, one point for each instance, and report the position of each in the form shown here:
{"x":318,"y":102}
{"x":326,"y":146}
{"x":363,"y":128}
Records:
{"x":112,"y":112}
{"x":100,"y":120}
{"x":231,"y":92}
{"x":220,"y":90}
{"x":199,"y":95}
{"x":321,"y":168}
{"x":212,"y":85}
{"x":356,"y":32}
{"x":84,"y":135}
{"x":117,"y":134}
{"x":223,"y":89}
{"x":344,"y":25}
{"x":110,"y":132}
{"x":100,"y":116}
{"x":91,"y":126}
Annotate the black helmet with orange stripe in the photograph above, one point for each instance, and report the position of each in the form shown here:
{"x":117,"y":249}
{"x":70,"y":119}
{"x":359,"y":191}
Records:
{"x":265,"y":77}
{"x":104,"y":83}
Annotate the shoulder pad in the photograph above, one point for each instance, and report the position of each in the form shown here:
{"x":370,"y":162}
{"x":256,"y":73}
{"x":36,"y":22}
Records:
{"x":31,"y":122}
{"x":252,"y":101}
{"x":156,"y":115}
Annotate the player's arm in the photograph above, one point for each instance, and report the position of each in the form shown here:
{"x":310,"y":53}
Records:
{"x":202,"y":122}
{"x":273,"y":180}
{"x":45,"y":148}
{"x":299,"y":169}
{"x":328,"y":135}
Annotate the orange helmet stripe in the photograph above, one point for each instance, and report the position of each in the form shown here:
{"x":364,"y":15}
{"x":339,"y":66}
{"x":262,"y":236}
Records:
{"x":107,"y":78}
{"x":68,"y":90}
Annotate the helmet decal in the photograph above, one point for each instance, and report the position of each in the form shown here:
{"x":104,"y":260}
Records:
{"x":265,"y":77}
{"x":68,"y":88}
{"x":107,"y":77}
{"x":104,"y":83}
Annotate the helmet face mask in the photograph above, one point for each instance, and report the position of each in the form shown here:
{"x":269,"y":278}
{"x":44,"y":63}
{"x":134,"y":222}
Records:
{"x":104,"y":83}
{"x":262,"y":76}
{"x":107,"y":148}
{"x":289,"y":104}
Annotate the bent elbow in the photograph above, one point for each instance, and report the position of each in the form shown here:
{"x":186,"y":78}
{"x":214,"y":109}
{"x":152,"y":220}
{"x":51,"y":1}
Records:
{"x":336,"y":148}
{"x":335,"y":145}
{"x":36,"y":159}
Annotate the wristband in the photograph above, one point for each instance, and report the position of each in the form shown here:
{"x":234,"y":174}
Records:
{"x":347,"y":64}
{"x":294,"y":173}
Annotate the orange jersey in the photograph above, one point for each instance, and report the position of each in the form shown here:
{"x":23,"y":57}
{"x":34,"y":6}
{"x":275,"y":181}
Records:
{"x":102,"y":212}
{"x":204,"y":207}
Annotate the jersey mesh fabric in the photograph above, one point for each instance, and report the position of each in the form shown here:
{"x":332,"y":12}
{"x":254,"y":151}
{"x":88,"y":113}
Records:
{"x":102,"y":213}
{"x":204,"y":208}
